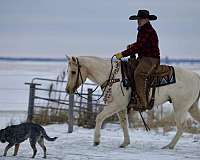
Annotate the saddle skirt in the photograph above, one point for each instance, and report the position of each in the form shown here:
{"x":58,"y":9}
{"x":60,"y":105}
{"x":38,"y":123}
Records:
{"x":161,"y":76}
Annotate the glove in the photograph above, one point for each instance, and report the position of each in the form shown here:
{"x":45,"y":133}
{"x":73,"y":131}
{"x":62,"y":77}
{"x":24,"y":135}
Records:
{"x":118,"y":55}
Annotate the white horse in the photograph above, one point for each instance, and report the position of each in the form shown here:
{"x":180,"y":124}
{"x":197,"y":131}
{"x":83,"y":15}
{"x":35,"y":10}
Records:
{"x":184,"y":95}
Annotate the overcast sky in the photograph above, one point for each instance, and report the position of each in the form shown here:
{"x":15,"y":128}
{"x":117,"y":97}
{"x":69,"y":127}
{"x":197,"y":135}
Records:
{"x":53,"y":28}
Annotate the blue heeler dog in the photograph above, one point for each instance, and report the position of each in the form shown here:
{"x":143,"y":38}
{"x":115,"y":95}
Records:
{"x":16,"y":134}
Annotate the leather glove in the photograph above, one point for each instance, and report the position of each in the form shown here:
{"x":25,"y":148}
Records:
{"x":118,"y":55}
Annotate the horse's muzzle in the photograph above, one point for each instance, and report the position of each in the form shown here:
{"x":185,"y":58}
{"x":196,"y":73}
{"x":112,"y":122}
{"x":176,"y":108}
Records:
{"x":68,"y":90}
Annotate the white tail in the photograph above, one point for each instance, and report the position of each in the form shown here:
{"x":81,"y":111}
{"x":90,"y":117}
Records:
{"x":195,"y":110}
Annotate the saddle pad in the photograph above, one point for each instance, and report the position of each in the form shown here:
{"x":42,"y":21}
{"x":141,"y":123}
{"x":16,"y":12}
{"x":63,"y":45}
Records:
{"x":164,"y":75}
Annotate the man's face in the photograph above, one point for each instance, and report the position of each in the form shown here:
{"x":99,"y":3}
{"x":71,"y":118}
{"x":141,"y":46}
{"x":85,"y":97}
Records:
{"x":142,"y":21}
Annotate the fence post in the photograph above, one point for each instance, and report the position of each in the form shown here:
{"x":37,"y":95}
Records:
{"x":90,"y":119}
{"x":31,"y":101}
{"x":70,"y":113}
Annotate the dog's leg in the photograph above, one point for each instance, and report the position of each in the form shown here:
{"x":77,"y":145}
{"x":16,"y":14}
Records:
{"x":41,"y":143}
{"x":16,"y":149}
{"x":33,"y":146}
{"x":7,"y":148}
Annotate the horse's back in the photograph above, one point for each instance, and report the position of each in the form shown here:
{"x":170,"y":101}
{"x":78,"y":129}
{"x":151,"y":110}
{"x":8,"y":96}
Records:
{"x":187,"y":83}
{"x":186,"y":75}
{"x":186,"y":88}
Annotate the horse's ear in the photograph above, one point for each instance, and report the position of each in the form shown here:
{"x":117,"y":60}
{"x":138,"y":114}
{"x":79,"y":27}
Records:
{"x":73,"y":59}
{"x":68,"y":58}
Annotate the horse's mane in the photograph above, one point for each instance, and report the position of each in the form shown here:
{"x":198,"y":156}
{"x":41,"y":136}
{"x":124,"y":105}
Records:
{"x":94,"y":57}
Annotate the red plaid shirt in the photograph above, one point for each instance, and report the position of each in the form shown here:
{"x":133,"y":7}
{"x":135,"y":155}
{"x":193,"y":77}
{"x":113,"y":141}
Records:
{"x":146,"y":44}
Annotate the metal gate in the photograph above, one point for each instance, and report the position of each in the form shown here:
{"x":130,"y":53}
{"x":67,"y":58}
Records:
{"x":48,"y":95}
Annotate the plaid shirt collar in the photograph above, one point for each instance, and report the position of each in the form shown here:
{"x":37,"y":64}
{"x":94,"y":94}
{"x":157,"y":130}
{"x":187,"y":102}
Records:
{"x":145,"y":26}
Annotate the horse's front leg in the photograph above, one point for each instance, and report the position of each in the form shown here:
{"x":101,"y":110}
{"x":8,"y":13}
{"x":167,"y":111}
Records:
{"x":122,"y":115}
{"x":107,"y":112}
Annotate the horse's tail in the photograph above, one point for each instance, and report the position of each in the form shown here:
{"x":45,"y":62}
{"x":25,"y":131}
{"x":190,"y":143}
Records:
{"x":199,"y":87}
{"x":195,"y":110}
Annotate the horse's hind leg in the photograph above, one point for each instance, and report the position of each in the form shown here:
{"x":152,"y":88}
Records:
{"x":122,"y":115}
{"x":195,"y":111}
{"x":180,"y":115}
{"x":174,"y":141}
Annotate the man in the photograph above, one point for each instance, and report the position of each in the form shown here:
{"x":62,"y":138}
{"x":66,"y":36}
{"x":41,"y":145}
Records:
{"x":148,"y":52}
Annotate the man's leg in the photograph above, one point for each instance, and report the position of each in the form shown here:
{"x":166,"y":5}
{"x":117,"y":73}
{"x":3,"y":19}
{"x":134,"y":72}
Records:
{"x":145,"y":65}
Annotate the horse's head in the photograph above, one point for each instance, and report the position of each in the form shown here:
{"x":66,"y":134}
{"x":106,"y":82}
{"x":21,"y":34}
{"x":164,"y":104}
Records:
{"x":77,"y":75}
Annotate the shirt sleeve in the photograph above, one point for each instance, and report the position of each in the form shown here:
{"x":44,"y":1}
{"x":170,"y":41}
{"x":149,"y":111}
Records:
{"x":135,"y":47}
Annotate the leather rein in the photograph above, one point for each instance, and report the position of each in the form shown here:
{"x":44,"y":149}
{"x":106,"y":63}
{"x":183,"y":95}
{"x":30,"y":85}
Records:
{"x":103,"y":86}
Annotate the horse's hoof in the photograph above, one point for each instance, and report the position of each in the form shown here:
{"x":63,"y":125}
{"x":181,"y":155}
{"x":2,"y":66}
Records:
{"x":167,"y":147}
{"x":96,"y":143}
{"x":123,"y":145}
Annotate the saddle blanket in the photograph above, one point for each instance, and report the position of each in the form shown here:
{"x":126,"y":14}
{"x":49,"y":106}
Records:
{"x":164,"y":75}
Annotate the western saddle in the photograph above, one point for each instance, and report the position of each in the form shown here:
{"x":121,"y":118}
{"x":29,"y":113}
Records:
{"x":159,"y":76}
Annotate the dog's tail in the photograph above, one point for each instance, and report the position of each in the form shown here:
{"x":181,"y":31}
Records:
{"x":47,"y":137}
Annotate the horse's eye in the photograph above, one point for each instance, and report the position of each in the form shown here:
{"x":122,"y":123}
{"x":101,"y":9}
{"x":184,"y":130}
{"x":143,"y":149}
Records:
{"x":73,"y":72}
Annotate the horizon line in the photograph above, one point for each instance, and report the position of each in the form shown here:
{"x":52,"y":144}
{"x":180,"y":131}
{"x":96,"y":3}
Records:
{"x":48,"y":59}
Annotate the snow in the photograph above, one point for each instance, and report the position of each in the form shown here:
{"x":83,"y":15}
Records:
{"x":14,"y":94}
{"x":79,"y":145}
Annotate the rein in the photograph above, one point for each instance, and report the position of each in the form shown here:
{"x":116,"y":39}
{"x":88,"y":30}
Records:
{"x":104,"y":85}
{"x":77,"y":78}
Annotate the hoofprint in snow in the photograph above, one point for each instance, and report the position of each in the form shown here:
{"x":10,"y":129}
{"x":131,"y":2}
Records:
{"x":79,"y":145}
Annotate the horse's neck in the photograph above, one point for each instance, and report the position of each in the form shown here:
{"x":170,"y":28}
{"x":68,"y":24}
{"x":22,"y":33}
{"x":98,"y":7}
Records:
{"x":97,"y":69}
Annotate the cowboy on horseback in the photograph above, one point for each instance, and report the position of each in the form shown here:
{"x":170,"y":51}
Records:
{"x":148,"y":52}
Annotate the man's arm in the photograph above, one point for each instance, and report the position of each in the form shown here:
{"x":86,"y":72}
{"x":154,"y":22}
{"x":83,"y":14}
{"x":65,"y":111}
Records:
{"x":135,"y":47}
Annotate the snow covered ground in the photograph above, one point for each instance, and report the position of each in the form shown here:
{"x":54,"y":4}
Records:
{"x":79,"y":145}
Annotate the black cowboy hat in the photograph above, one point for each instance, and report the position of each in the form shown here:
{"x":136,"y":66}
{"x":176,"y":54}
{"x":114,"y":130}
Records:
{"x":143,"y":14}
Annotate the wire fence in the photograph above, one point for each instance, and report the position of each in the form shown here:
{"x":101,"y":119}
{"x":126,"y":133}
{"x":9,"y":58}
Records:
{"x":49,"y":102}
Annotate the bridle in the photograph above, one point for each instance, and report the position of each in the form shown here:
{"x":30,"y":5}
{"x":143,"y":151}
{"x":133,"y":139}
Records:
{"x":103,"y":86}
{"x":79,"y":74}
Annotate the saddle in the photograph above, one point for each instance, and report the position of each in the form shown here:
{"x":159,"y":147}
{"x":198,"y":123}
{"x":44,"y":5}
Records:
{"x":160,"y":75}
